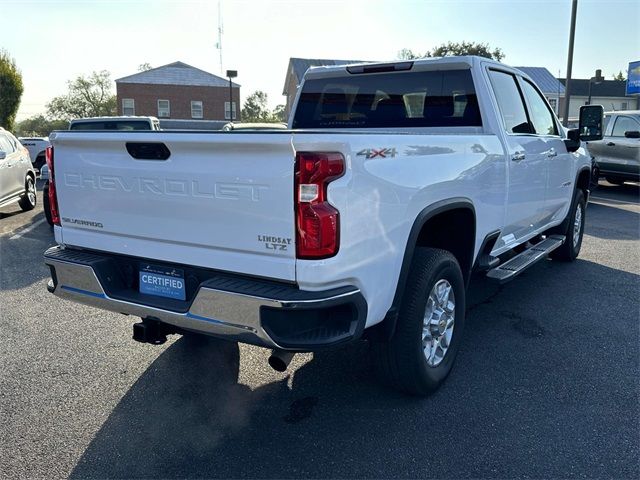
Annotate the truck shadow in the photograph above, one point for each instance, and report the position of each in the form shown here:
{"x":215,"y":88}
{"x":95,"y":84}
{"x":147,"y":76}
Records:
{"x":188,"y":416}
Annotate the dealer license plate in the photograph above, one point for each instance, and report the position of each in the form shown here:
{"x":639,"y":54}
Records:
{"x":162,"y":281}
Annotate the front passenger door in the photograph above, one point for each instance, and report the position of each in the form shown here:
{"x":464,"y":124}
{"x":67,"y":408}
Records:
{"x":559,"y":162}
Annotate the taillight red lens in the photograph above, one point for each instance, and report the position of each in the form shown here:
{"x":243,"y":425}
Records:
{"x":53,"y":198}
{"x":318,"y":222}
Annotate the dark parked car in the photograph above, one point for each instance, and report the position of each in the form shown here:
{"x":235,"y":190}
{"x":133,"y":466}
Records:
{"x":618,"y":153}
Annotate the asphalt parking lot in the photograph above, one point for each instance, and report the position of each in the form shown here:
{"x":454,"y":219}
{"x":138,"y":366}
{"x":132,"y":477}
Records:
{"x":546,"y":383}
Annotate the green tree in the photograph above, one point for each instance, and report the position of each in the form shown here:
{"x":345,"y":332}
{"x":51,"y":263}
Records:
{"x":11,"y":89}
{"x":255,"y":108}
{"x":143,"y":67}
{"x":279,"y":114}
{"x":620,"y":76}
{"x":455,"y":49}
{"x":407,"y":54}
{"x":39,"y":126}
{"x":89,"y":96}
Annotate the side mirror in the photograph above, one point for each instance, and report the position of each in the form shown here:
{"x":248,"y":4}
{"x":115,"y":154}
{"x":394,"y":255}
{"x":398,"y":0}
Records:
{"x":3,"y":155}
{"x":591,"y":121}
{"x":632,"y":134}
{"x":573,"y":140}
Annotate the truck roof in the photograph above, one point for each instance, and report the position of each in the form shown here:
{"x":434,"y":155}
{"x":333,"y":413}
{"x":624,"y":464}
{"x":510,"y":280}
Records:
{"x":417,"y":64}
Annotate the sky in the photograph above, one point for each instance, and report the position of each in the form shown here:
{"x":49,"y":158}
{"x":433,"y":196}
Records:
{"x":54,"y":41}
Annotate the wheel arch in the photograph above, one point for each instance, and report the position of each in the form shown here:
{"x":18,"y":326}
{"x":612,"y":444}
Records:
{"x":582,"y":182}
{"x":459,"y":215}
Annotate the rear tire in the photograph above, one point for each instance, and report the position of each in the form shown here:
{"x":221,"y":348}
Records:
{"x":570,"y":249}
{"x":422,"y":350}
{"x":29,"y":198}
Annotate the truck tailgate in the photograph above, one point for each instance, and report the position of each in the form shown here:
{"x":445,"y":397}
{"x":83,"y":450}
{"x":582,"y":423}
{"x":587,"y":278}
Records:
{"x":221,"y":200}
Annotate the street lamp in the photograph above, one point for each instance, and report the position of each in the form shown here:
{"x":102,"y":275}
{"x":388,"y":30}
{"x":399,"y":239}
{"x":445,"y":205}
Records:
{"x":231,"y":74}
{"x":597,"y":80}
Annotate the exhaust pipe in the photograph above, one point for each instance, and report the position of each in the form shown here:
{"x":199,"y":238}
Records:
{"x":280,"y":360}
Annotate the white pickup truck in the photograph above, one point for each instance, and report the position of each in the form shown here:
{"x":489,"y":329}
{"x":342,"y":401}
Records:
{"x":367,"y":217}
{"x":36,"y":147}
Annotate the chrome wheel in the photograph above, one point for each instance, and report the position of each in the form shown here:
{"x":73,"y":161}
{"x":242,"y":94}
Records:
{"x":31,"y":192}
{"x":438,"y":323}
{"x":577,"y":225}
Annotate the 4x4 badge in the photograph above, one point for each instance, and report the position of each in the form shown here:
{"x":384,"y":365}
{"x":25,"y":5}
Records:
{"x":380,"y":152}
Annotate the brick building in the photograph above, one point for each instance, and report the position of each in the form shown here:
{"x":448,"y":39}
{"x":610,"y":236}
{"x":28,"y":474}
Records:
{"x":178,"y":92}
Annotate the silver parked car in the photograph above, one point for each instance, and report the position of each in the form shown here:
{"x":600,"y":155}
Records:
{"x":17,"y":177}
{"x":618,"y":153}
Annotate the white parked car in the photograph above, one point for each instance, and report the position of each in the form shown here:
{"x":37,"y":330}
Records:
{"x":17,"y":177}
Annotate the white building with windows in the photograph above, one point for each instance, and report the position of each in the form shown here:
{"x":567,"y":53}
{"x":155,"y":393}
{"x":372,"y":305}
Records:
{"x":611,"y":94}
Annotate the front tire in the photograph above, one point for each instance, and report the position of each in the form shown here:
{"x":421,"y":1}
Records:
{"x":29,"y":198}
{"x":422,"y":350}
{"x":570,"y":249}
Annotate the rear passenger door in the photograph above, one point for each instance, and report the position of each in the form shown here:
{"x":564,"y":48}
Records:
{"x":559,"y":162}
{"x":622,"y":154}
{"x":527,"y":155}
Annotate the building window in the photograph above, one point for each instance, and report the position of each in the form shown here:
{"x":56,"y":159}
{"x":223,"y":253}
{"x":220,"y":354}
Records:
{"x":227,"y":116}
{"x":624,"y":106}
{"x":553,"y":103}
{"x":196,"y":109}
{"x":163,"y":109}
{"x":128,"y":106}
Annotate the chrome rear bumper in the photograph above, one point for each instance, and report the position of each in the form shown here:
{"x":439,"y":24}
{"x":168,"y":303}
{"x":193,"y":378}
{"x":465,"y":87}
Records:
{"x":240,"y":309}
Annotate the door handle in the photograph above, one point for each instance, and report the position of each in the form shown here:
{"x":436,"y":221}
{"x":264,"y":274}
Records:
{"x":611,"y":144}
{"x":552,"y":152}
{"x":518,"y":156}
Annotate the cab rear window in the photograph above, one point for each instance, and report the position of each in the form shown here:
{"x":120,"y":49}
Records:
{"x":389,"y":100}
{"x":110,"y":125}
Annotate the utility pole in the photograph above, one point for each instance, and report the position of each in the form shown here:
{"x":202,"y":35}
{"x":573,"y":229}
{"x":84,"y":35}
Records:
{"x":567,"y":85}
{"x":231,"y":74}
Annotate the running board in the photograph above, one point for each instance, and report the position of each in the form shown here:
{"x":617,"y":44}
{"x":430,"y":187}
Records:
{"x":524,"y":260}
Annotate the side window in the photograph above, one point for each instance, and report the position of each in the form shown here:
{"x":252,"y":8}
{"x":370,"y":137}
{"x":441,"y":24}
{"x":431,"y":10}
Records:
{"x":624,"y":124}
{"x":514,"y":115}
{"x":541,"y":116}
{"x":196,"y":108}
{"x":164,"y":109}
{"x":5,"y":144}
{"x":128,"y":106}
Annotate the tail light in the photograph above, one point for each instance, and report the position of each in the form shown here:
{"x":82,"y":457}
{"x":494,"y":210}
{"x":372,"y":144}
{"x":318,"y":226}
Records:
{"x":53,"y":198}
{"x":317,"y":221}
